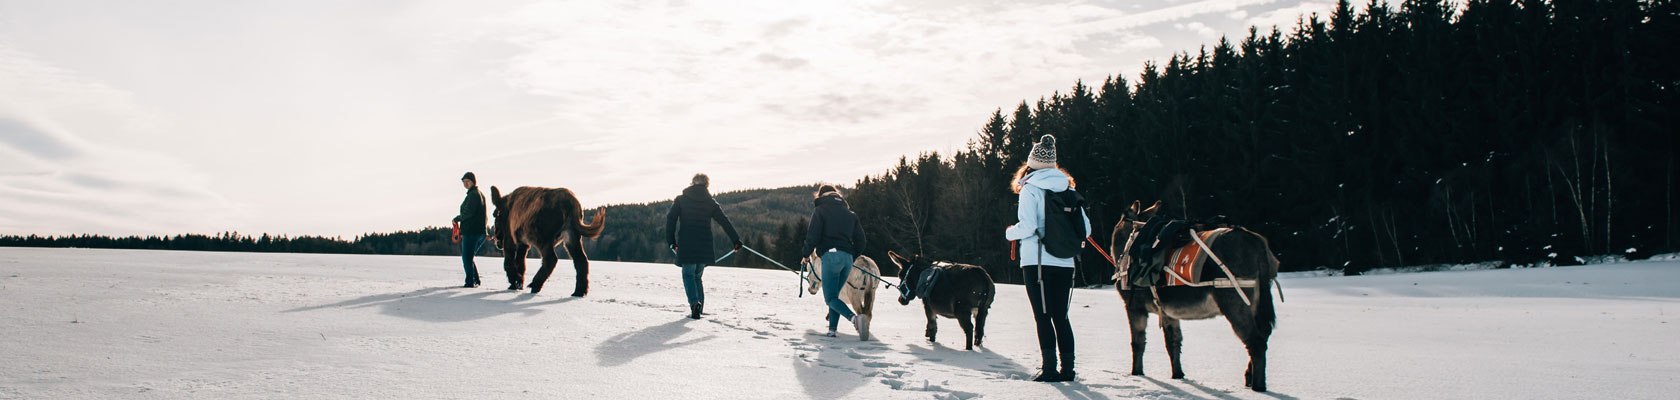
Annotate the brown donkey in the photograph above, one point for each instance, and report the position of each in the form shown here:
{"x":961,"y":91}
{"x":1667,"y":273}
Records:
{"x":543,"y":218}
{"x":1249,"y":257}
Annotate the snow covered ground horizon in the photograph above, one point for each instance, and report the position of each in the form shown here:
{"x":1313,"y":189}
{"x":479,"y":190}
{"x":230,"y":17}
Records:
{"x":153,"y":324}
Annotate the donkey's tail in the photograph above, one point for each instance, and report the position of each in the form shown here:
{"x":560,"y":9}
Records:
{"x":1265,"y":314}
{"x":592,"y":229}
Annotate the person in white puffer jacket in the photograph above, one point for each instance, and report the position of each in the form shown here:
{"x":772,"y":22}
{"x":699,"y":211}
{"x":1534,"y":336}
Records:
{"x":1049,"y":279}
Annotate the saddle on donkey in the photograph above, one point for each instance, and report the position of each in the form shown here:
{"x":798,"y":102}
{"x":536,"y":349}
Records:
{"x":1163,"y":245}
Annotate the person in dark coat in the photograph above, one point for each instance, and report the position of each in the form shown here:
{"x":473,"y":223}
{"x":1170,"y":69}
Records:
{"x":472,"y":221}
{"x":688,"y":231}
{"x":838,"y":236}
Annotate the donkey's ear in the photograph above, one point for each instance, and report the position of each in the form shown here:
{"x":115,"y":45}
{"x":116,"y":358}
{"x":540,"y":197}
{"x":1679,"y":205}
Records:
{"x":1130,"y":211}
{"x":897,"y":259}
{"x":1153,"y":208}
{"x":496,"y":196}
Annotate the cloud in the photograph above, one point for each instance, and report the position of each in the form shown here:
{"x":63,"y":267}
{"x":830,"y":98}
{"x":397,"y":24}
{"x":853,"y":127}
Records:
{"x":59,"y":182}
{"x":348,"y":117}
{"x":782,"y":62}
{"x":1167,"y":14}
{"x":1284,"y":18}
{"x":1200,"y":29}
{"x":29,"y":140}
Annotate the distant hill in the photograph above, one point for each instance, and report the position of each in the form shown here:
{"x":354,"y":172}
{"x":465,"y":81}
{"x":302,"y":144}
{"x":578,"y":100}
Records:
{"x":636,"y":232}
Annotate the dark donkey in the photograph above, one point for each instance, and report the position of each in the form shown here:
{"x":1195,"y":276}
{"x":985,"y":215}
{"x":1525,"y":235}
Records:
{"x":961,"y":291}
{"x":543,"y":218}
{"x":1249,"y":257}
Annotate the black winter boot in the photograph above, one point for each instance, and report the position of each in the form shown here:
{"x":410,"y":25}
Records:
{"x":1067,"y":368}
{"x":1048,"y":375}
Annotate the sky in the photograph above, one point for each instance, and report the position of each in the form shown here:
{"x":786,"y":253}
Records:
{"x":340,"y":118}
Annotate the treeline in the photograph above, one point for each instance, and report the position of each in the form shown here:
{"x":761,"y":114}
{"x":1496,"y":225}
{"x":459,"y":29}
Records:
{"x":1532,"y":131}
{"x":429,"y":241}
{"x":636,"y":232}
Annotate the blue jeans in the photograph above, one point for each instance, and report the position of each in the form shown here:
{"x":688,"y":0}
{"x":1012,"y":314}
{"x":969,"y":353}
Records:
{"x":469,"y":247}
{"x":836,"y":267}
{"x":691,"y":282}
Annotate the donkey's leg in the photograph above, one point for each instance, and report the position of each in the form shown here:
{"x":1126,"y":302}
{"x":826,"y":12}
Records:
{"x":580,"y":262}
{"x":515,"y":277}
{"x":932,"y":327}
{"x":1138,"y":316}
{"x":1244,"y":325}
{"x":964,"y":319}
{"x":868,"y":305}
{"x":514,"y":266}
{"x":1257,"y":365}
{"x":1175,"y":343}
{"x":980,"y":324}
{"x":549,"y":258}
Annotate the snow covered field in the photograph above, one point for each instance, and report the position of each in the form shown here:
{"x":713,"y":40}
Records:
{"x":152,"y":324}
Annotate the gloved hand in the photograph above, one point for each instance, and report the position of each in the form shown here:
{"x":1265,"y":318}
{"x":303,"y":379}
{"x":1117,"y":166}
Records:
{"x":737,"y":245}
{"x":673,"y":246}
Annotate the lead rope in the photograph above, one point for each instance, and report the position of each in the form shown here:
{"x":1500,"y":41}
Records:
{"x":714,"y":262}
{"x":802,"y":277}
{"x":778,"y":264}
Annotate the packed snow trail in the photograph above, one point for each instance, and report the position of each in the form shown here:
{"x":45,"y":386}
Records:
{"x":156,"y":324}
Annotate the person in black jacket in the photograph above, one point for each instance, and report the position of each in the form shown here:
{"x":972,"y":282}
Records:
{"x":838,"y":236}
{"x":692,"y":241}
{"x":472,"y":223}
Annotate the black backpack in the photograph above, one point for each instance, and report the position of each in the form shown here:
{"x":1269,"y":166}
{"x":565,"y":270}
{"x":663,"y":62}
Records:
{"x":1064,"y":223}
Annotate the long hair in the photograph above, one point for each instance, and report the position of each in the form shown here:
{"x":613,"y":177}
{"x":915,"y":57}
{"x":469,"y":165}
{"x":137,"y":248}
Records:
{"x":1015,"y":183}
{"x":827,"y":188}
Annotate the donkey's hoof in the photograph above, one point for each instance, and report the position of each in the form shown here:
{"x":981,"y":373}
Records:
{"x":1178,"y":376}
{"x":1260,"y":388}
{"x":1137,"y":372}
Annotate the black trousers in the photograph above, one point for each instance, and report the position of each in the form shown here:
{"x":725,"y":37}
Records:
{"x":1050,"y":289}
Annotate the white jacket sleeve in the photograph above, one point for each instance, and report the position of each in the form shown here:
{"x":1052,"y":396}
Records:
{"x":1030,"y":201}
{"x":1087,"y":217}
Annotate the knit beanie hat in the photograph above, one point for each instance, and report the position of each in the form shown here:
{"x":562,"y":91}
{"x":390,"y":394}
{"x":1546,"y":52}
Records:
{"x":470,"y":175}
{"x":1043,"y":153}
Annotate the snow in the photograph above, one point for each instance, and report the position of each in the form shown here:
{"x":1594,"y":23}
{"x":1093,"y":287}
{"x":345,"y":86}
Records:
{"x":151,"y":324}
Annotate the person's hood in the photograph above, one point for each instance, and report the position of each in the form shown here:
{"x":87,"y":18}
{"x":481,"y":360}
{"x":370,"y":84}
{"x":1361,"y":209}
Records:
{"x":697,"y":192}
{"x":1051,"y":179}
{"x":829,"y":198}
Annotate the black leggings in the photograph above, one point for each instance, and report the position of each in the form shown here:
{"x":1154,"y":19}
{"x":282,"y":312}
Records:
{"x":1049,"y":298}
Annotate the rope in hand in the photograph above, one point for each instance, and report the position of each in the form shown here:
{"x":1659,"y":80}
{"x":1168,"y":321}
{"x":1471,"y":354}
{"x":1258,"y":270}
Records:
{"x":720,"y":259}
{"x":773,"y":261}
